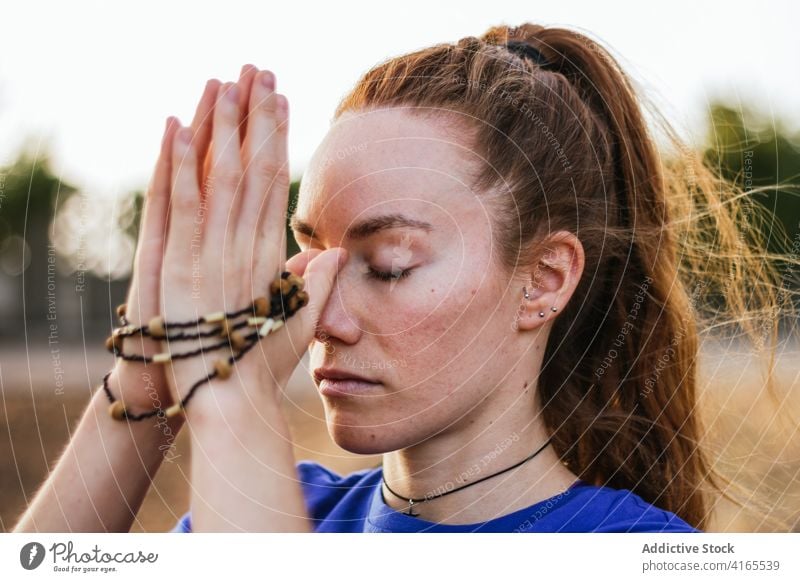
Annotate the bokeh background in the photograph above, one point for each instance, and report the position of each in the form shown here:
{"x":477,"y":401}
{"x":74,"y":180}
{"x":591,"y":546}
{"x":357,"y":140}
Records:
{"x":85,"y":88}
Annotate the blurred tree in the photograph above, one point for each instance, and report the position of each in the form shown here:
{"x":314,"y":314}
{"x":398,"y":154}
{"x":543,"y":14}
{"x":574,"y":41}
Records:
{"x":761,"y":156}
{"x":756,"y":152}
{"x":29,"y":194}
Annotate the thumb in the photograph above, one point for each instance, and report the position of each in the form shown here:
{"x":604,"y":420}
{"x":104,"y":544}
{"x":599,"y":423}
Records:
{"x":299,"y":262}
{"x":319,"y":275}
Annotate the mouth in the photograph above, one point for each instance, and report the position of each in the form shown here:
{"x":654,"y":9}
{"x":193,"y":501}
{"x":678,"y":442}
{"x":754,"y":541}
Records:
{"x":333,"y":382}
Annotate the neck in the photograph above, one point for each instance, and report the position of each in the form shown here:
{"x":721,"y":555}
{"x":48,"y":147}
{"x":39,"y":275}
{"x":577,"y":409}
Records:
{"x":486,"y":441}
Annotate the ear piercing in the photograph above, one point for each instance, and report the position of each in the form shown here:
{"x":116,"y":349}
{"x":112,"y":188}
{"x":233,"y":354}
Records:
{"x":541,"y":313}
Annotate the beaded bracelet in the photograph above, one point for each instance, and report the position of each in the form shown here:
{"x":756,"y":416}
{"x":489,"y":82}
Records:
{"x":287,"y":297}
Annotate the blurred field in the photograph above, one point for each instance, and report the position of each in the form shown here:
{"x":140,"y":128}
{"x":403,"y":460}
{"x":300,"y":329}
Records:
{"x":754,"y":442}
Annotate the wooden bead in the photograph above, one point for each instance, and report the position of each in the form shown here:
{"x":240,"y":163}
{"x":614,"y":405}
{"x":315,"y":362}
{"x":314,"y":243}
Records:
{"x":223,"y":368}
{"x":117,"y":410}
{"x":122,"y":310}
{"x":162,"y":358}
{"x":114,"y":343}
{"x":156,"y":327}
{"x":266,"y":328}
{"x":296,"y":280}
{"x":261,"y":306}
{"x":215,"y":317}
{"x":125,"y":330}
{"x":297,"y":301}
{"x":302,"y":298}
{"x":226,"y":327}
{"x":256,"y":321}
{"x":238,"y":340}
{"x":174,"y":410}
{"x":281,"y":285}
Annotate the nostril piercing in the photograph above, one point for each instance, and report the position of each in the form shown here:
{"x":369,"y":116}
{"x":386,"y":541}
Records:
{"x":553,"y":309}
{"x":541,"y":314}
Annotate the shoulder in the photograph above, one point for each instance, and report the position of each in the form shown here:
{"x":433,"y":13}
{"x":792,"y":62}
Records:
{"x":323,"y":489}
{"x":605,"y":509}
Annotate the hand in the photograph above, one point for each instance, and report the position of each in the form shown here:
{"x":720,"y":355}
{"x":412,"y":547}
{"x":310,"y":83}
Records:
{"x":137,"y":381}
{"x":226,"y":239}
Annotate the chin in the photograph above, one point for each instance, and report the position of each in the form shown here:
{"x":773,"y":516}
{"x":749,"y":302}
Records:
{"x":368,"y":440}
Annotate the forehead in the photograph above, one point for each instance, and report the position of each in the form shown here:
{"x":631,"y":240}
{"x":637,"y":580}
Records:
{"x":390,"y":160}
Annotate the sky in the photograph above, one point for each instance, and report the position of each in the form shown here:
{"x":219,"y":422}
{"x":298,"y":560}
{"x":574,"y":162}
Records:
{"x":93,"y":82}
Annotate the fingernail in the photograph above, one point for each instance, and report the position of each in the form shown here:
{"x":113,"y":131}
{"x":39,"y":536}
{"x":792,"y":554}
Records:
{"x":341,"y":257}
{"x":232,"y":94}
{"x":185,"y":135}
{"x":268,"y":80}
{"x":281,"y":104}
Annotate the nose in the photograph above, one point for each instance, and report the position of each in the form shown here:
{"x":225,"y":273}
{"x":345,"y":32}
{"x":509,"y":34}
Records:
{"x":339,"y":320}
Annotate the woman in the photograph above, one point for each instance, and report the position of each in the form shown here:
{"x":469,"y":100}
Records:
{"x":495,"y":257}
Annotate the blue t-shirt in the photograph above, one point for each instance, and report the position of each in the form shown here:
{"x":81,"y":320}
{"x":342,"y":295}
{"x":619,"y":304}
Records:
{"x":354,"y":503}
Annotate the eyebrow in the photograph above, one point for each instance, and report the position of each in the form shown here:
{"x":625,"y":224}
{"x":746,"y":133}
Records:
{"x":366,"y":227}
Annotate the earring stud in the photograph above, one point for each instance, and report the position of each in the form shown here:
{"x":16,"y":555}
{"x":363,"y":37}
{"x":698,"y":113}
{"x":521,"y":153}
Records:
{"x":528,"y":296}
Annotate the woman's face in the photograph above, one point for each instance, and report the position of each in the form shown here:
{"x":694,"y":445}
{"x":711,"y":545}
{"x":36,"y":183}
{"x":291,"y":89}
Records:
{"x":439,"y":338}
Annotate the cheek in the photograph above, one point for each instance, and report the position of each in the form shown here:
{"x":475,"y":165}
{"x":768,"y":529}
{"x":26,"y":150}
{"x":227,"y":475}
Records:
{"x":440,"y":330}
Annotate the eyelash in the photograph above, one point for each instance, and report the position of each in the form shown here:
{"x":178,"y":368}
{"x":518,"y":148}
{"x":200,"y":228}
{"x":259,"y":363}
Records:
{"x":387,"y":277}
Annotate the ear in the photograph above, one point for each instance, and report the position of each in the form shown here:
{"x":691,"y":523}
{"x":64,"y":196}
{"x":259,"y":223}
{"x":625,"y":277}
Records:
{"x":551,"y":282}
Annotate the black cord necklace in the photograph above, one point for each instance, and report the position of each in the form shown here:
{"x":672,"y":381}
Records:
{"x":412,"y":501}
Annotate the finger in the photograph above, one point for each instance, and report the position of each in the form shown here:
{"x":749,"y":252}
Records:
{"x":273,"y":217}
{"x":264,"y":155}
{"x":246,"y":76}
{"x":202,"y":124}
{"x":271,"y":233}
{"x":226,"y":168}
{"x":184,"y":205}
{"x":153,"y":229}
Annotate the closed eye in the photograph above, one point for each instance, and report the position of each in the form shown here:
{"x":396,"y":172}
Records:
{"x":390,"y":276}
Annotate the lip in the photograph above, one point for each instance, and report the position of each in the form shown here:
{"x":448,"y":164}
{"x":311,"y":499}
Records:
{"x":337,"y":374}
{"x":330,"y":387}
{"x":334,"y":382}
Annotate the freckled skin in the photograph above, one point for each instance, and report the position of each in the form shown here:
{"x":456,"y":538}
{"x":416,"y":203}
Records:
{"x":453,"y":342}
{"x":369,"y":324}
{"x":455,"y":339}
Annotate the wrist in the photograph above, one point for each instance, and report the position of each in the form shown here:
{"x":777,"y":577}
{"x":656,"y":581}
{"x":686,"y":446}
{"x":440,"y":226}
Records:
{"x":245,"y":397}
{"x":155,"y":431}
{"x":139,"y":385}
